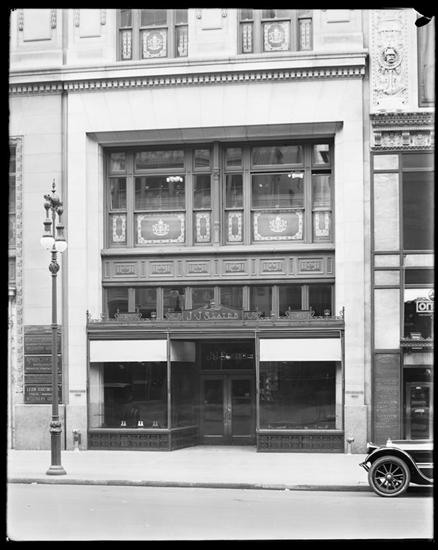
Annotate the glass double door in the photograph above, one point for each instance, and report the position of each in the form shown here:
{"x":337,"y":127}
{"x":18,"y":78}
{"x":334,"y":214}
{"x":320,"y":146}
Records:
{"x":227,"y":409}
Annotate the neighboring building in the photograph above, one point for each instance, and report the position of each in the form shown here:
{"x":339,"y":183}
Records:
{"x":237,"y":189}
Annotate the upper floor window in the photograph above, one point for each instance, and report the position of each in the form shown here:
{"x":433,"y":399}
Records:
{"x":274,"y":30}
{"x":152,"y":33}
{"x":225,"y":194}
{"x":426,"y":64}
{"x":12,"y":198}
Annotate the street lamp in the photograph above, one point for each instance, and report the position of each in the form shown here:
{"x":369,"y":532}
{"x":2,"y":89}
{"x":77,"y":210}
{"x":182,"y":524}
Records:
{"x":53,"y":240}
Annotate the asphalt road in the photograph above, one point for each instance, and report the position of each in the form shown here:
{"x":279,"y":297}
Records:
{"x":61,"y":512}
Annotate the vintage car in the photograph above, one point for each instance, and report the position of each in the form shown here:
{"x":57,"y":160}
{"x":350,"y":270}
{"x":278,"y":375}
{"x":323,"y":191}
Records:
{"x":393,"y":466}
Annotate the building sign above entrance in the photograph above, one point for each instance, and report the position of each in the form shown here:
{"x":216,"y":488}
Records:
{"x":212,"y":312}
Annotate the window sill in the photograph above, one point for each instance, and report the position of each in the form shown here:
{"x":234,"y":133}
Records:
{"x":219,"y":249}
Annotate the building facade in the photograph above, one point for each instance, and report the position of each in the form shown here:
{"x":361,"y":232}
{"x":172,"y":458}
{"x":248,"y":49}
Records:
{"x":237,"y":189}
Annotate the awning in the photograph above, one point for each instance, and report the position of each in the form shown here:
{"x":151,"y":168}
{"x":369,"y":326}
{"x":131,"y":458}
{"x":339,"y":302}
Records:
{"x":111,"y":351}
{"x":300,"y":349}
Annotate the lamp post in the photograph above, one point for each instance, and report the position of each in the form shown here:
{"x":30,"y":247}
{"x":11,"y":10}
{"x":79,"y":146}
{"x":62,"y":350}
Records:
{"x":53,"y":240}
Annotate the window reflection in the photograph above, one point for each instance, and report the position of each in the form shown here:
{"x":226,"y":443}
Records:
{"x":173,"y":299}
{"x":418,"y":312}
{"x":298,"y":395}
{"x":133,"y":393}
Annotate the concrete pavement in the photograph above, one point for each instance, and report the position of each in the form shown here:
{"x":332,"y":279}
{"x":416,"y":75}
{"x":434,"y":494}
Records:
{"x":202,"y":466}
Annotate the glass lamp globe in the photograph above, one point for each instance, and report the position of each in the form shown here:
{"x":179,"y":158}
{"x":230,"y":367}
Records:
{"x":47,"y":242}
{"x":60,"y":245}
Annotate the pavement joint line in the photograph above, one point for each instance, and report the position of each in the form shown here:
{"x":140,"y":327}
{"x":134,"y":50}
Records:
{"x":189,"y":484}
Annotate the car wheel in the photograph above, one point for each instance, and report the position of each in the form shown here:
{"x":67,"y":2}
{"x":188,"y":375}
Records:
{"x":389,"y":476}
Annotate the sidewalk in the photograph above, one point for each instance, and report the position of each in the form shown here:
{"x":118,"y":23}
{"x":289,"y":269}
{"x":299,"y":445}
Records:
{"x":218,"y":467}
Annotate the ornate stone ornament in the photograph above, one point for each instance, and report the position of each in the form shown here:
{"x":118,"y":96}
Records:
{"x":388,"y":59}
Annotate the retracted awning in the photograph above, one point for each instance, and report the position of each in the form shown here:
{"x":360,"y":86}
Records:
{"x":300,"y":349}
{"x":111,"y":351}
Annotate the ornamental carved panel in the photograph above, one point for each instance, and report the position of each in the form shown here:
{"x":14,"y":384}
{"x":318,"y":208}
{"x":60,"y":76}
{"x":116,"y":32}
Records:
{"x":389,"y":59}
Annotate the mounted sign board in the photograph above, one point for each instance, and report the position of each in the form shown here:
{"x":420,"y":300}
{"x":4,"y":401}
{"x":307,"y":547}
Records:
{"x":424,"y":306}
{"x":114,"y":351}
{"x":300,"y":349}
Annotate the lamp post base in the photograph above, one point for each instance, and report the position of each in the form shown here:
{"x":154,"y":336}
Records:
{"x":56,"y":471}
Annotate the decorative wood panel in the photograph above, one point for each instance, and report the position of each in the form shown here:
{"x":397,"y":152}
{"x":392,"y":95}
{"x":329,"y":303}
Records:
{"x":128,"y":440}
{"x":386,"y":397}
{"x":314,"y":443}
{"x":214,"y":269}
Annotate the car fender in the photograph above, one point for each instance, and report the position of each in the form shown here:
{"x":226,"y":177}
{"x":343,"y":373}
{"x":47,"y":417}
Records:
{"x":416,"y":475}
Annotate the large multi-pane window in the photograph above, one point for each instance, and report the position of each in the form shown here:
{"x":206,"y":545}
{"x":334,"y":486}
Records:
{"x":152,"y":33}
{"x":278,"y":192}
{"x":154,"y":302}
{"x":274,"y":30}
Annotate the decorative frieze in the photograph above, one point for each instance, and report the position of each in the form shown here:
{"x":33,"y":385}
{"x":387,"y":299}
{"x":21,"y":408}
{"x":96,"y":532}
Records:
{"x":214,"y":269}
{"x":405,"y":131}
{"x":110,"y":83}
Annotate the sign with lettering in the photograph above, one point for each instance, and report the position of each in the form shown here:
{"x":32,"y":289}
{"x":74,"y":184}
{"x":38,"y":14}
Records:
{"x":212,"y":313}
{"x":424,"y":306}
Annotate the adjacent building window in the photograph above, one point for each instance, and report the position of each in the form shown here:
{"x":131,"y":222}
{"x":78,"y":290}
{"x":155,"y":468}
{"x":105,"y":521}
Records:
{"x":426,"y":64}
{"x":274,"y":30}
{"x":152,"y":33}
{"x":277,"y":192}
{"x":418,"y":218}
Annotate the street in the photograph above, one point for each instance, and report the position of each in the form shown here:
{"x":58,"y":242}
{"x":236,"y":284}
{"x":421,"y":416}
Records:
{"x":86,"y":512}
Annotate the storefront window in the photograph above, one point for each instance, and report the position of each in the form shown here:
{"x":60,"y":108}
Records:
{"x":231,"y":296}
{"x":320,"y":299}
{"x":173,"y":299}
{"x":117,"y":300}
{"x":261,"y":300}
{"x":298,"y":395}
{"x":202,"y":296}
{"x":290,"y":298}
{"x":418,"y":402}
{"x":146,"y":302}
{"x":135,"y":395}
{"x":418,"y":312}
{"x":184,"y":394}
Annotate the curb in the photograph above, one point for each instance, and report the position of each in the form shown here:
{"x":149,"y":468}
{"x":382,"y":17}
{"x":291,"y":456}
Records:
{"x":187,"y":484}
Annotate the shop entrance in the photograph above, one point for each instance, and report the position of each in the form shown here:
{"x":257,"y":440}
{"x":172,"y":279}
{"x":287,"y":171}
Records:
{"x":227,"y":409}
{"x":227,"y":393}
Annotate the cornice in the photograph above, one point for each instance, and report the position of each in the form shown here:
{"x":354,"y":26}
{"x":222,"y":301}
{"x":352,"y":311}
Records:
{"x":402,"y":119}
{"x":192,"y":79}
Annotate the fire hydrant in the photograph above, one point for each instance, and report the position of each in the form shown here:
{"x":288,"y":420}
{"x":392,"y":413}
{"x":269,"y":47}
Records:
{"x":349,"y":442}
{"x":76,"y":439}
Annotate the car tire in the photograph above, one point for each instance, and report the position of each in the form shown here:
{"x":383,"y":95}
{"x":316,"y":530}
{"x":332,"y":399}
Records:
{"x":389,"y":476}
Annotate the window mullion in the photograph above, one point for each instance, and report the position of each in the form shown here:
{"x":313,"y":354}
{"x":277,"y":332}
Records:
{"x":257,"y":32}
{"x":246,"y":161}
{"x":136,"y":38}
{"x":307,"y":195}
{"x":215,"y":196}
{"x":171,"y":33}
{"x":188,"y":162}
{"x":130,"y":201}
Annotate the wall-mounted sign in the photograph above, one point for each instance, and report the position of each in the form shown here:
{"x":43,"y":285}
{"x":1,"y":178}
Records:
{"x":424,"y":306}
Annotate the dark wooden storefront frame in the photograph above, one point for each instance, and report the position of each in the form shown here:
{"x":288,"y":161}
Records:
{"x":168,"y":439}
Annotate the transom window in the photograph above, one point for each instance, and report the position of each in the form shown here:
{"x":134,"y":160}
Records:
{"x":152,"y":33}
{"x":220,"y":194}
{"x":274,"y":30}
{"x":154,"y":302}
